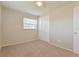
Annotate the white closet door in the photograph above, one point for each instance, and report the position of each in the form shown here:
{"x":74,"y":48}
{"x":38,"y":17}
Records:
{"x":76,"y":29}
{"x":0,"y":28}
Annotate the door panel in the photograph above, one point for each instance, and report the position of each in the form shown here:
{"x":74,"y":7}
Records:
{"x":76,"y":30}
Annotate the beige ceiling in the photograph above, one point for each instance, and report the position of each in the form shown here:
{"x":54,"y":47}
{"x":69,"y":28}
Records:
{"x":30,"y":7}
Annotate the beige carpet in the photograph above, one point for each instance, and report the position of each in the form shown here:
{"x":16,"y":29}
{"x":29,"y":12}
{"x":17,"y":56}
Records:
{"x":35,"y":49}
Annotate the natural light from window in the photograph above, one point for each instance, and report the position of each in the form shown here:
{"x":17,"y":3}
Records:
{"x":29,"y":23}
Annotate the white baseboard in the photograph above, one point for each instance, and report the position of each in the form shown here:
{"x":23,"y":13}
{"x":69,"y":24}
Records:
{"x":58,"y":46}
{"x":76,"y":52}
{"x":10,"y":44}
{"x":42,"y":40}
{"x":61,"y":47}
{"x":64,"y":48}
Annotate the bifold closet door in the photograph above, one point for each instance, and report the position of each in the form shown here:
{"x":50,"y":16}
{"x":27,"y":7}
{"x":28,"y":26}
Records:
{"x":76,"y":29}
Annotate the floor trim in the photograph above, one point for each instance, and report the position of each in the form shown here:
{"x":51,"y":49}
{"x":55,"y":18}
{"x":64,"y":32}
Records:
{"x":17,"y":43}
{"x":64,"y":48}
{"x":58,"y":46}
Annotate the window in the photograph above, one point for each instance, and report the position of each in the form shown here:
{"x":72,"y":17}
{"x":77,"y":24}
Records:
{"x":30,"y":23}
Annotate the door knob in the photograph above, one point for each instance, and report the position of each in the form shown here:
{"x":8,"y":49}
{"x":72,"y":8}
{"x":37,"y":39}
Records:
{"x":75,"y":33}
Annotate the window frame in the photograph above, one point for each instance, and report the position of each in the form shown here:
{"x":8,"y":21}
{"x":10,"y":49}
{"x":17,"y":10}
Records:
{"x":28,"y":25}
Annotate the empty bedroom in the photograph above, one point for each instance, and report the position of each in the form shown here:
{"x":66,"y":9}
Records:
{"x":39,"y":28}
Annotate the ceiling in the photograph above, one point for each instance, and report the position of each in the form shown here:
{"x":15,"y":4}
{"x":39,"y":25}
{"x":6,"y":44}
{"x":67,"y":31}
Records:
{"x":30,"y":7}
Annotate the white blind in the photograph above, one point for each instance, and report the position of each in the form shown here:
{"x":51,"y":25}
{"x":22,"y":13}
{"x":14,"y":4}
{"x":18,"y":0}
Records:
{"x":30,"y":23}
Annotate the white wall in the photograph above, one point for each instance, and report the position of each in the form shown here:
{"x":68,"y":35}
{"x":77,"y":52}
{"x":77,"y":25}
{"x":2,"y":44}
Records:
{"x":0,"y":28}
{"x":44,"y":28}
{"x":13,"y":31}
{"x":61,"y":26}
{"x":59,"y":20}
